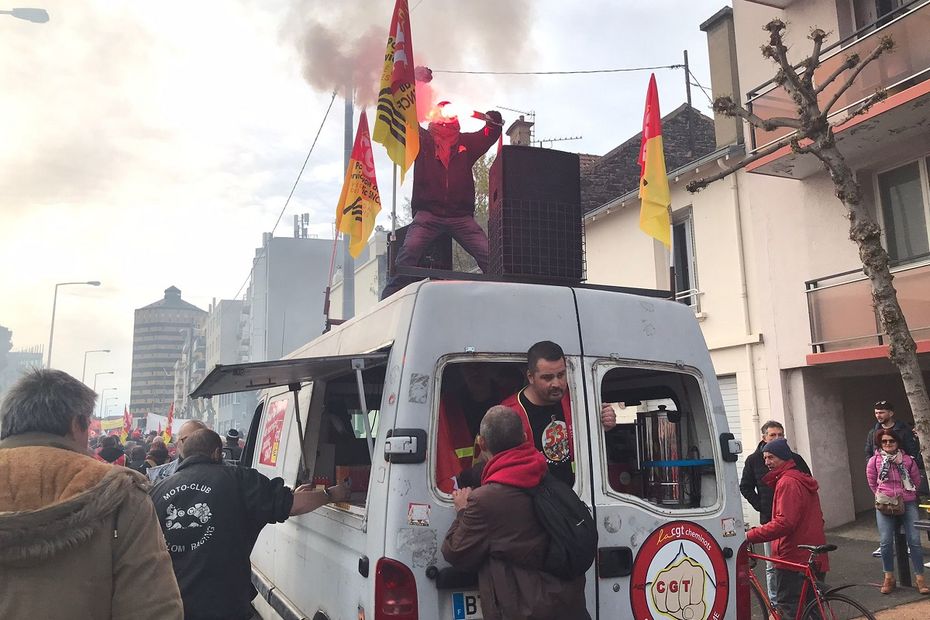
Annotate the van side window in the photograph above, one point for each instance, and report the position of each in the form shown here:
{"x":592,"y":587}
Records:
{"x":467,"y":391}
{"x":342,"y":450}
{"x":661,"y":449}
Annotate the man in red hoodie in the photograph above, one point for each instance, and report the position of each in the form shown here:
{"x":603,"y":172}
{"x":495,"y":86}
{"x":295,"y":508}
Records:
{"x":496,"y":532}
{"x":796,"y":520}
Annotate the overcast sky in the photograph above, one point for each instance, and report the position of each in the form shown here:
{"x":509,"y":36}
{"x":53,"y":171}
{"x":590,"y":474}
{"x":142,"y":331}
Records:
{"x":150,"y":144}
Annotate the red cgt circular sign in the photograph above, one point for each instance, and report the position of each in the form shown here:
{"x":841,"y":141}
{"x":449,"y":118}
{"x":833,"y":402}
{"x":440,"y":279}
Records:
{"x":679,"y":573}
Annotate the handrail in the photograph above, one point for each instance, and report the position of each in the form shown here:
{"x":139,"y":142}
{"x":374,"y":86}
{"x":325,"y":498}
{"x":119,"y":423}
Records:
{"x":884,"y":21}
{"x":812,"y":285}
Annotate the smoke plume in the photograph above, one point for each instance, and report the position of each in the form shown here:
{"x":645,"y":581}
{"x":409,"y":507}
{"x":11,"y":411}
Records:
{"x":342,"y":42}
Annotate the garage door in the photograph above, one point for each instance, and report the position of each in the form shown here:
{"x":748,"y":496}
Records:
{"x":731,"y":404}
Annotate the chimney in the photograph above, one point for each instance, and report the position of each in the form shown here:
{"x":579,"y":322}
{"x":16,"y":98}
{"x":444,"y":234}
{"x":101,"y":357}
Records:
{"x":519,"y":132}
{"x":724,"y":74}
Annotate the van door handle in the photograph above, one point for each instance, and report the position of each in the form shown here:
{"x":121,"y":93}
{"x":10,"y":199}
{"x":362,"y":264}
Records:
{"x":614,"y":562}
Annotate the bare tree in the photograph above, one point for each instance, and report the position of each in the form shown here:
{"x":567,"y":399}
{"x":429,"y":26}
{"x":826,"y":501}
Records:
{"x":813,"y":134}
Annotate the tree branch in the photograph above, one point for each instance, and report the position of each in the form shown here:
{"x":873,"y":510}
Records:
{"x":887,"y":43}
{"x":813,"y":61}
{"x":728,"y":107}
{"x":849,"y":63}
{"x":863,"y":107}
{"x":777,"y":51}
{"x":698,"y":185}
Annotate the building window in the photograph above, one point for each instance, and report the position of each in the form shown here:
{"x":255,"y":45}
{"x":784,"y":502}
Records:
{"x":905,"y":206}
{"x":686,"y":290}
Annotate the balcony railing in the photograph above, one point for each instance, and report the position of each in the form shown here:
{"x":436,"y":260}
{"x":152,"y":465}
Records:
{"x":907,"y":63}
{"x":841,"y":312}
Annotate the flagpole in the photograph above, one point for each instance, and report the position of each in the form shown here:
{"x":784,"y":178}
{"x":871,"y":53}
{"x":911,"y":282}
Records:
{"x":348,"y":263}
{"x":672,"y":285}
{"x":394,"y":205}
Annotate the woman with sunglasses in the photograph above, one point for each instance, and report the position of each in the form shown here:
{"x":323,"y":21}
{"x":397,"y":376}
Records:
{"x":894,"y":478}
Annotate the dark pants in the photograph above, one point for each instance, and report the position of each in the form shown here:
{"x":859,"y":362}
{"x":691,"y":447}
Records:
{"x":426,"y":228}
{"x":789,"y":584}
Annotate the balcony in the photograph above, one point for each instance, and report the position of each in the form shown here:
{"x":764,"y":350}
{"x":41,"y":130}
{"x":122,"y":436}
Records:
{"x":903,"y":72}
{"x":775,"y":4}
{"x":842,"y":318}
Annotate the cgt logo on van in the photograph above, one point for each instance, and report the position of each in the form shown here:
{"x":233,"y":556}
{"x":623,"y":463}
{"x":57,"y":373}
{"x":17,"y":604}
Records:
{"x":679,"y":573}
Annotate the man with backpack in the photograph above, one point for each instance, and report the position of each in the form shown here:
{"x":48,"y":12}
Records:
{"x":504,"y":530}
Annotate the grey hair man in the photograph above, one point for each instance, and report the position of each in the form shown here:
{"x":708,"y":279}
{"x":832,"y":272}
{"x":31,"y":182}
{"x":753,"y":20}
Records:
{"x":212,"y":513}
{"x":496,"y":533}
{"x":63,"y":513}
{"x":159,"y":473}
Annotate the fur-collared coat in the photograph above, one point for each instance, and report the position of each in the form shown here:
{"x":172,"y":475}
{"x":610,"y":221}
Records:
{"x":78,"y":538}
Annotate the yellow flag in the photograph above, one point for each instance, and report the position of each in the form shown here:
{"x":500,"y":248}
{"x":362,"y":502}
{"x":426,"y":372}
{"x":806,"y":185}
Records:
{"x":359,"y":203}
{"x":396,"y":124}
{"x":654,"y":194}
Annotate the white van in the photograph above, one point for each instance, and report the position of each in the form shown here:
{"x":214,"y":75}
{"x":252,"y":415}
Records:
{"x":363,"y":401}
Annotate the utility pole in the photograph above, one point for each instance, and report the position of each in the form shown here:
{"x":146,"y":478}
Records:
{"x":348,"y":263}
{"x":688,"y":96}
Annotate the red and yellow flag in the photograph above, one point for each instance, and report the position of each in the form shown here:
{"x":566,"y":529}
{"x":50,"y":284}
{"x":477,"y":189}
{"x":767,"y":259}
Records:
{"x":359,"y":203}
{"x":396,"y":122}
{"x":167,"y":434}
{"x":654,"y":194}
{"x":127,"y":425}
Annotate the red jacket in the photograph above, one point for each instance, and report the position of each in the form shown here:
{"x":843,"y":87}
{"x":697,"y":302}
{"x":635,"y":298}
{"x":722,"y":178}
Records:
{"x":455,"y":445}
{"x":513,"y":401}
{"x":796,"y":517}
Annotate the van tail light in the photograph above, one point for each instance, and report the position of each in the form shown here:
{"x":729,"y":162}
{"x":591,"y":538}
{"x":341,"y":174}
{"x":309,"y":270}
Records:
{"x":395,"y":591}
{"x":743,"y":611}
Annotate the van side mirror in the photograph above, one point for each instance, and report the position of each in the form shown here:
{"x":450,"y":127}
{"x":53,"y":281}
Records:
{"x":731,"y":447}
{"x":405,"y":445}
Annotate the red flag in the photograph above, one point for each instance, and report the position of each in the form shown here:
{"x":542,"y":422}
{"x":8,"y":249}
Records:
{"x":127,"y":424}
{"x":359,"y":203}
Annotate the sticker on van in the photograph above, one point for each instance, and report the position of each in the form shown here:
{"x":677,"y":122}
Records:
{"x":680,"y":573}
{"x":466,"y":606}
{"x":271,"y":436}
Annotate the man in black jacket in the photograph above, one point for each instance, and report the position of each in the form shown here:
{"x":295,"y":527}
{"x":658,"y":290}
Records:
{"x":443,"y":200}
{"x":760,"y":495}
{"x":211,"y":515}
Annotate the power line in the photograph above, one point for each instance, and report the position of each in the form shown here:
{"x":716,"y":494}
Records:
{"x":296,"y":181}
{"x":698,"y":84}
{"x":578,"y":72}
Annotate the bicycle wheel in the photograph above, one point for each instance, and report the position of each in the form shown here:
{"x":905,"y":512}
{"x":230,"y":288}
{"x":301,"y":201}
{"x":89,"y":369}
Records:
{"x":760,"y":610}
{"x":837,"y":607}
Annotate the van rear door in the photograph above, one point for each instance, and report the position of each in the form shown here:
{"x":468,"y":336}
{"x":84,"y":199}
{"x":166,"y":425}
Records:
{"x":666,"y":505}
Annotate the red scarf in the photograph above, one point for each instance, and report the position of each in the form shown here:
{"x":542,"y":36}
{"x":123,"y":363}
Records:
{"x":445,"y":135}
{"x":522,"y":467}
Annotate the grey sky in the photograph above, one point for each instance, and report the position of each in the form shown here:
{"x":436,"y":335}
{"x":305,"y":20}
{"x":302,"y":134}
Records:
{"x":150,"y":144}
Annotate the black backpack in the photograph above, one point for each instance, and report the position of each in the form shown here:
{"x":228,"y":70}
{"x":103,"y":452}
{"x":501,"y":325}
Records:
{"x":571,"y":528}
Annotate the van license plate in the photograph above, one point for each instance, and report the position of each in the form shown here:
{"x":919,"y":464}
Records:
{"x":466,"y":606}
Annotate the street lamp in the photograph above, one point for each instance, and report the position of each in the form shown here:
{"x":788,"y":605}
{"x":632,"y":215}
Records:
{"x":84,"y":370}
{"x":102,"y":392}
{"x":106,"y":407}
{"x":37,"y":16}
{"x":97,"y":374}
{"x":51,"y":332}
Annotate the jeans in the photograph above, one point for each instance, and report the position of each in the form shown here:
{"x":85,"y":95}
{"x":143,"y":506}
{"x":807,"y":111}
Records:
{"x":770,"y":579}
{"x":888,"y":525}
{"x":424,"y":229}
{"x":789,"y":585}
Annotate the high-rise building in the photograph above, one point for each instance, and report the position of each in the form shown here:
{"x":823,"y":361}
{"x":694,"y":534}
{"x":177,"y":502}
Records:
{"x":158,"y":339}
{"x":285,"y":297}
{"x":226,"y":325}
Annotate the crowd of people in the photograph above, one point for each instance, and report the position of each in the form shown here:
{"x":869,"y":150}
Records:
{"x":132,"y":519}
{"x":779,"y":485}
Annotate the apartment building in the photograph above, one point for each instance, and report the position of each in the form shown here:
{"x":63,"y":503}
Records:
{"x":763,"y":255}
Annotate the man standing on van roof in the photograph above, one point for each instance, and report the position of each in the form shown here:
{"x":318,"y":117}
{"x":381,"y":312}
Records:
{"x":496,"y":531}
{"x":796,"y":520}
{"x":78,"y":538}
{"x":211,"y":515}
{"x":546,"y":408}
{"x":760,"y":495}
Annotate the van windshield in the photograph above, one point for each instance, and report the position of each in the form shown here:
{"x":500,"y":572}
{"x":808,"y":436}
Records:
{"x":661,"y":449}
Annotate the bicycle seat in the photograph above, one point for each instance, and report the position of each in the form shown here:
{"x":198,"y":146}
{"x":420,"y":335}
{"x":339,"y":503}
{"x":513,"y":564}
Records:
{"x":818,"y":548}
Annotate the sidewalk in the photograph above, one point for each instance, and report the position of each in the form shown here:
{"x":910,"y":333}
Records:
{"x":853,"y":563}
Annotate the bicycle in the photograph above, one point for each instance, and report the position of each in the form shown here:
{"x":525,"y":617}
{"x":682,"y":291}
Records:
{"x":826,"y":603}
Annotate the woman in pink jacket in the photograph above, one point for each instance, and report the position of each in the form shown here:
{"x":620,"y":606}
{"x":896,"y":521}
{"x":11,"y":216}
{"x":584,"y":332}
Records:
{"x":893,"y":473}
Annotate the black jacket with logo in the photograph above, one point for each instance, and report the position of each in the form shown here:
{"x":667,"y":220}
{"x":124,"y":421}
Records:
{"x":756,"y":492}
{"x":211,"y":515}
{"x":449,"y":192}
